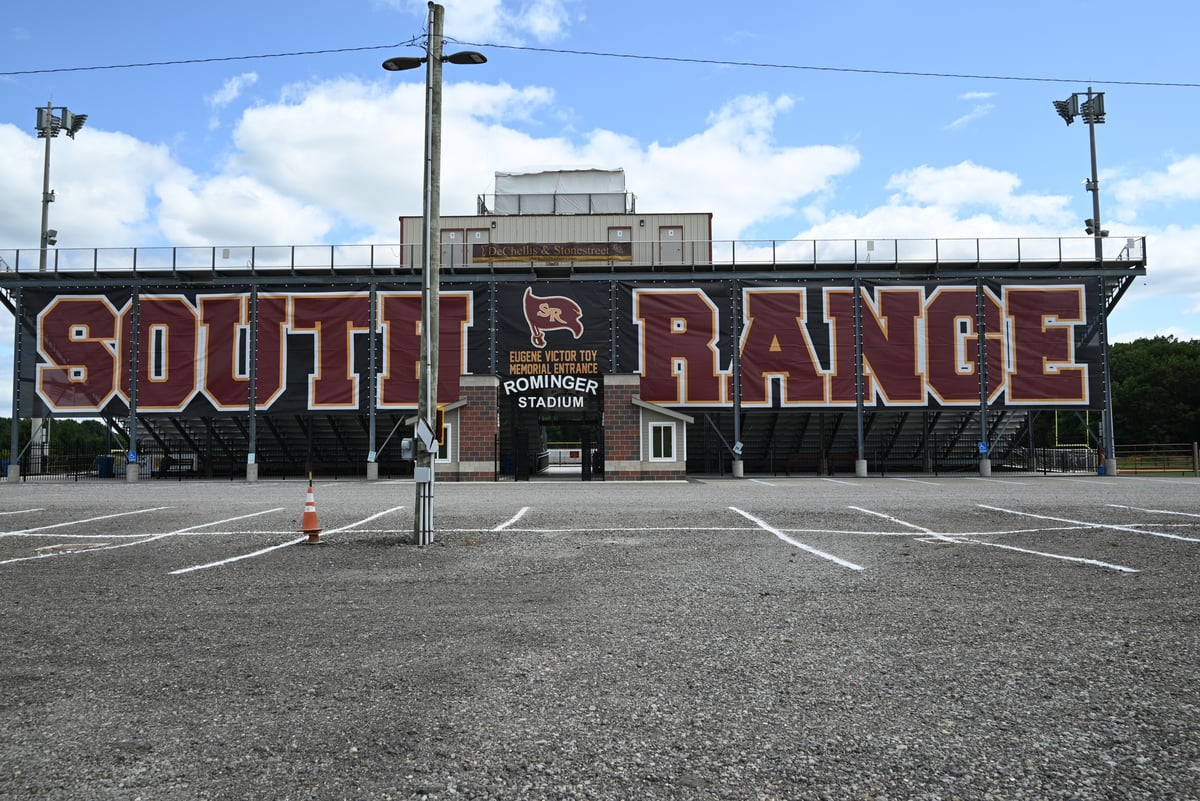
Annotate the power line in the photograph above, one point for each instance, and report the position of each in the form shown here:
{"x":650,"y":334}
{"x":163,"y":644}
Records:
{"x":858,"y":70}
{"x":603,"y":54}
{"x":209,"y":60}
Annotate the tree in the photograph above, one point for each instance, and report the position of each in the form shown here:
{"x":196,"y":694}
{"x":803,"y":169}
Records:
{"x":1156,"y":390}
{"x":67,"y":436}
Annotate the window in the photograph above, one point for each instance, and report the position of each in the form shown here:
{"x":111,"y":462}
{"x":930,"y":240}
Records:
{"x":662,"y":442}
{"x":443,"y":454}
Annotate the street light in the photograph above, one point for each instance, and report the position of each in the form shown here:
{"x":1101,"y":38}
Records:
{"x":431,"y":248}
{"x":1090,"y":107}
{"x":48,"y":127}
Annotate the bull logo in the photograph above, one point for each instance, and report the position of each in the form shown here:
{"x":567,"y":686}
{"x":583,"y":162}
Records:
{"x":554,"y":313}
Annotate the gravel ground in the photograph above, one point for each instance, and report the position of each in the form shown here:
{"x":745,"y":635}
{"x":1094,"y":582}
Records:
{"x":851,"y":639}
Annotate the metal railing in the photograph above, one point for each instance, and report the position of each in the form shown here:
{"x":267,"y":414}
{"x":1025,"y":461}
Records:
{"x":1178,"y":458}
{"x":194,"y":262}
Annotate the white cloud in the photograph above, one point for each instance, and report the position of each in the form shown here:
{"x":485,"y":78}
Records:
{"x":237,"y":210}
{"x":229,"y":92}
{"x":103,"y":185}
{"x":1179,"y":182}
{"x":976,"y":113}
{"x":496,"y":20}
{"x":1171,"y":263}
{"x":968,"y":186}
{"x":736,"y":169}
{"x":979,"y":111}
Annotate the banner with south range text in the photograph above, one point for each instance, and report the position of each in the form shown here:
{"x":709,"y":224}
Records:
{"x":923,"y":345}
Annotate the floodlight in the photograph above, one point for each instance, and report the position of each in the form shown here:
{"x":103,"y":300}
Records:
{"x":1067,"y":109}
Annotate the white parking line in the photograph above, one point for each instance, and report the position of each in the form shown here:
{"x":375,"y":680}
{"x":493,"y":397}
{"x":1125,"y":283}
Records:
{"x":271,"y":548}
{"x":1079,"y":559}
{"x":142,"y":541}
{"x":916,"y":481}
{"x":21,"y":511}
{"x":906,"y":524}
{"x":1109,"y":526}
{"x":1161,"y":512}
{"x":767,"y":527}
{"x":967,"y":540}
{"x":512,"y":520}
{"x":28,"y":531}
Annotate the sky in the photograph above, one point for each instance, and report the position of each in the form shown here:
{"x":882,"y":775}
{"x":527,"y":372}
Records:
{"x":270,"y":122}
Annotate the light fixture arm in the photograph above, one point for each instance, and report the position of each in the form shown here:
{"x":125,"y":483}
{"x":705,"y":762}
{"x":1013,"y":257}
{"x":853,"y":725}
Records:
{"x":48,"y":126}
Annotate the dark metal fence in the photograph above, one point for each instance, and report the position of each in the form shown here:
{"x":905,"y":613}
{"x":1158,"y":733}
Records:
{"x":48,"y":462}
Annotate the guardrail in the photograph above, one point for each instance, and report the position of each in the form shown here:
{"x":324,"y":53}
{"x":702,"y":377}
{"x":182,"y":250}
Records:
{"x":729,"y":254}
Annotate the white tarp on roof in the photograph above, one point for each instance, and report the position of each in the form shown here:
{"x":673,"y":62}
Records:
{"x":561,"y":182}
{"x":561,"y":192}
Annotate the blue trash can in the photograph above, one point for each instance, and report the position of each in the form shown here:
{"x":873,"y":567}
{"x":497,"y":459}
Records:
{"x":104,"y":466}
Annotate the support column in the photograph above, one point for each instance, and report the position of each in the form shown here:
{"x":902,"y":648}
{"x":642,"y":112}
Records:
{"x":135,"y":316}
{"x":738,"y":464}
{"x":985,"y":461}
{"x":860,"y":459}
{"x":372,"y":382}
{"x":1108,"y":433}
{"x":622,"y":428}
{"x":14,"y":451}
{"x":252,"y":401}
{"x":477,"y":429}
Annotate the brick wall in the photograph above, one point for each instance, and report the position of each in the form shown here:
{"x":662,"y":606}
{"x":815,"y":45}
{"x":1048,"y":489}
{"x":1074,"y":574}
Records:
{"x":622,"y":424}
{"x":477,"y":427}
{"x":623,"y":434}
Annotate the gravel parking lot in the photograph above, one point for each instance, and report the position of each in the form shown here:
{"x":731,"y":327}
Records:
{"x":933,"y":638}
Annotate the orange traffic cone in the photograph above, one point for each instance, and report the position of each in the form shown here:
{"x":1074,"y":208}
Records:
{"x":309,"y":524}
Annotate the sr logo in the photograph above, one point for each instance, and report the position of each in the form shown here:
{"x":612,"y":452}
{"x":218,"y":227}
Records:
{"x":552,"y":313}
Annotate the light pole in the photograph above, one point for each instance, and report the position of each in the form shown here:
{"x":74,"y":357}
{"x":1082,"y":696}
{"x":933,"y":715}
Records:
{"x":1090,"y":106}
{"x":431,"y":249}
{"x":48,"y":125}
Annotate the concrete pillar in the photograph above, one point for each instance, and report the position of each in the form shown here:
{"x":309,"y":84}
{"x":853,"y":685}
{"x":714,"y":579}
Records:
{"x":860,"y":468}
{"x":985,"y":467}
{"x":372,"y":471}
{"x":252,"y":471}
{"x":14,"y":472}
{"x":738,"y":468}
{"x":133,"y":471}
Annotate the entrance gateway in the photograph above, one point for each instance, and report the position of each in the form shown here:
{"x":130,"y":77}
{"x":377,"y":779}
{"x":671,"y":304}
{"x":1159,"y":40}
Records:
{"x":551,"y":425}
